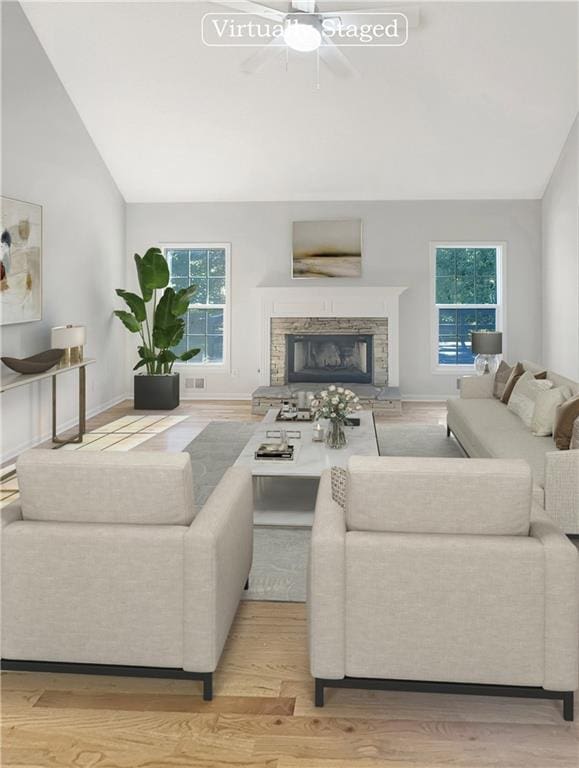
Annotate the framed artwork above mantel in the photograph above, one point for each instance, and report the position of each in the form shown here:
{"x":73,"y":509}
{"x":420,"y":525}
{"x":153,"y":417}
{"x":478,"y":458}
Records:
{"x":21,"y":261}
{"x":329,"y":248}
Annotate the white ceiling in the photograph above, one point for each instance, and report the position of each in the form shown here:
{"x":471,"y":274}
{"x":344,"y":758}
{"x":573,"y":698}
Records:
{"x":476,"y":105}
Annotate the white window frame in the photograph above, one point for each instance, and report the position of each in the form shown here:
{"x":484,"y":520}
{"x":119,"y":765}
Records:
{"x":225,"y":365}
{"x":501,"y":248}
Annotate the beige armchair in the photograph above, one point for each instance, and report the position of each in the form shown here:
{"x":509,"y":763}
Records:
{"x":440,"y":575}
{"x":107,"y":568}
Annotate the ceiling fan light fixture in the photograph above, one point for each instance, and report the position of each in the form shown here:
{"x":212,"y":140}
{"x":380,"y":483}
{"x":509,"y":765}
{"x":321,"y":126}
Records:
{"x":302,"y":35}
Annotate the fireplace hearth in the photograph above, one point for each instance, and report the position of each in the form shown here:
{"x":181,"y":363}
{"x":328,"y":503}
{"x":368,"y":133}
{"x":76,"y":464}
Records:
{"x":344,"y":358}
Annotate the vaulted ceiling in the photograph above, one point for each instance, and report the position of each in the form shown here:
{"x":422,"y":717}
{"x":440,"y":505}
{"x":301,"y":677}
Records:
{"x":476,"y":105}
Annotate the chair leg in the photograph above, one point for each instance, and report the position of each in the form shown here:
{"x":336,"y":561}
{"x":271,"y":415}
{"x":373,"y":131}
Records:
{"x":568,"y":708}
{"x":246,"y":587}
{"x":319,"y":693}
{"x":447,"y":431}
{"x":208,"y":687}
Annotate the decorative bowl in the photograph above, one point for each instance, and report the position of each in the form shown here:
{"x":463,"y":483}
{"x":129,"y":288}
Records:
{"x":36,"y":363}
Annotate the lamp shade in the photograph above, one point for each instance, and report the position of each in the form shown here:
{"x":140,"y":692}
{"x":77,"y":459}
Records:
{"x":487,"y":342}
{"x":65,"y":336}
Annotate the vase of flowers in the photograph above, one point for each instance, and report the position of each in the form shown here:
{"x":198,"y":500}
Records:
{"x":335,"y":404}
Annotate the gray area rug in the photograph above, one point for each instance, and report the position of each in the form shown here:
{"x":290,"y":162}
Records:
{"x":280,"y":554}
{"x":417,"y":440}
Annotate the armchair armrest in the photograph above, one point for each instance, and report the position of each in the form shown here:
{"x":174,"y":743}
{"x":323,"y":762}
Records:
{"x":218,"y":549}
{"x":327,"y":586}
{"x":11,"y":513}
{"x":562,"y":488}
{"x":561,"y":605}
{"x":477,"y":386}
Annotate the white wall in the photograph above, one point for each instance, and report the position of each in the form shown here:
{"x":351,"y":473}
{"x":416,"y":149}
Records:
{"x":49,"y":158}
{"x":561,"y":262}
{"x":396,"y":252}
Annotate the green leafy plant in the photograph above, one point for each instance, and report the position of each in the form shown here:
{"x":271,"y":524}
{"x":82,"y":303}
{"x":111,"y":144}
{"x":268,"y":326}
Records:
{"x":158,"y":321}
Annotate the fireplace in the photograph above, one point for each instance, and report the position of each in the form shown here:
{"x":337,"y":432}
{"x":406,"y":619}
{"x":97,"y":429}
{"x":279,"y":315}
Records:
{"x":317,"y":357}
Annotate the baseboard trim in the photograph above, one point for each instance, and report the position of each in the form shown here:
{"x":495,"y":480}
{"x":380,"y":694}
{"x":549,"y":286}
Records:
{"x":117,"y":670}
{"x":460,"y":689}
{"x":69,"y":424}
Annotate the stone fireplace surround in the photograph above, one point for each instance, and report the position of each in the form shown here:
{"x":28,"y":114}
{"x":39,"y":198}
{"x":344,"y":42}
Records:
{"x":305,"y":300}
{"x":282,"y":327}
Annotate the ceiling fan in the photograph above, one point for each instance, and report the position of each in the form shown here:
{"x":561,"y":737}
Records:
{"x":305,"y":29}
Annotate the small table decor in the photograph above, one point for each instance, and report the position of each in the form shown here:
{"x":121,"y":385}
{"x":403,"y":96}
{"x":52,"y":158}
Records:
{"x":335,"y":404}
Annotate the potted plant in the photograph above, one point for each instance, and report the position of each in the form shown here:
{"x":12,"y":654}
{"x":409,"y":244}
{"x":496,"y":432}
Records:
{"x":161,"y":327}
{"x":335,"y":404}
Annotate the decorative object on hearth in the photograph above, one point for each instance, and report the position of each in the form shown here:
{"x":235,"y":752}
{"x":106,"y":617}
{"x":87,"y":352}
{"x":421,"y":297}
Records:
{"x":161,"y":327}
{"x":335,"y":404}
{"x":486,"y":346}
{"x":21,"y":262}
{"x":327,"y":248}
{"x":72,"y":339}
{"x":39,"y":363}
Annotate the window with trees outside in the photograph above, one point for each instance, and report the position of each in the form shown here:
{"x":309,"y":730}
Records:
{"x":207,"y":266}
{"x":467,"y":288}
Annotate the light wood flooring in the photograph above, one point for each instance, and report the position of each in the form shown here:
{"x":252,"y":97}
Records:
{"x":263,"y":714}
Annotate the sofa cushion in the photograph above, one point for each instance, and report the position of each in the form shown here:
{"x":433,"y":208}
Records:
{"x":565,"y":418}
{"x":524,"y":395}
{"x":501,"y":378}
{"x":514,"y":376}
{"x":487,"y":429}
{"x":435,"y":495}
{"x":87,"y":487}
{"x":545,"y":410}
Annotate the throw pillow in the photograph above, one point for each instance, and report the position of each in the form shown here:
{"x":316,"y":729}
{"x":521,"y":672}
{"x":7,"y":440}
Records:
{"x":501,"y":378}
{"x":339,"y":482}
{"x":564,"y":422}
{"x":525,"y":392}
{"x":545,"y":409}
{"x":514,"y":376}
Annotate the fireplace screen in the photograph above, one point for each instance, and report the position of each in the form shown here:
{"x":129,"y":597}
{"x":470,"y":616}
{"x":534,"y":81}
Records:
{"x":330,"y":358}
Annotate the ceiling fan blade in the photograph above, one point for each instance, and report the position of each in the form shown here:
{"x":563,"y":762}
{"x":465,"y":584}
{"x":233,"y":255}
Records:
{"x":260,"y":58}
{"x":255,"y":9}
{"x":412,"y":14}
{"x":335,"y":59}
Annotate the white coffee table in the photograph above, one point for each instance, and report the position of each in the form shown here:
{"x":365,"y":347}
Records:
{"x":285,"y":491}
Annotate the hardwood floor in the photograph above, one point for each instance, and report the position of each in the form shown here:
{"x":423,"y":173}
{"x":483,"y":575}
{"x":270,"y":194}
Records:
{"x":263,"y":714}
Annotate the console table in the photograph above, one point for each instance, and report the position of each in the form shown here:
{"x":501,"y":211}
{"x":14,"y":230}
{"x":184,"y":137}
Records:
{"x":15,"y":380}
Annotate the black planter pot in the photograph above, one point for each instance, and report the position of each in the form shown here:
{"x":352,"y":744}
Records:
{"x":158,"y":392}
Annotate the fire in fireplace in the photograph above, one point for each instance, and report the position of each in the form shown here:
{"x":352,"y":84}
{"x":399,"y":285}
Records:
{"x":330,"y":358}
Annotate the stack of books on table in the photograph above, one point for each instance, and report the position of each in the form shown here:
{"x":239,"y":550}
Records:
{"x":275,"y":452}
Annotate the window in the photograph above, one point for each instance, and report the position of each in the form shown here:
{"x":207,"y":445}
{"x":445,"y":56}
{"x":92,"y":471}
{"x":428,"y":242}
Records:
{"x":207,"y":266}
{"x":467,"y":287}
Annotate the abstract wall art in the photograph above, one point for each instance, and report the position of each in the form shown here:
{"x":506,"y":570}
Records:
{"x":330,"y":248}
{"x":21,"y":261}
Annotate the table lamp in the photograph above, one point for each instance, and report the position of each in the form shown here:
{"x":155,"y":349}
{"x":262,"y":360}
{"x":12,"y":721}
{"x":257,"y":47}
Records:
{"x":71,"y":338}
{"x":486,"y":346}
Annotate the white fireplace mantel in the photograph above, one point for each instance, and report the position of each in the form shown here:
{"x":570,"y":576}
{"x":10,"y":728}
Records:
{"x":330,"y":301}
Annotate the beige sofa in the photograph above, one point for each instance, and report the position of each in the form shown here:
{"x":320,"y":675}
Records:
{"x":106,"y":563}
{"x":485,"y":428}
{"x":441,"y":575}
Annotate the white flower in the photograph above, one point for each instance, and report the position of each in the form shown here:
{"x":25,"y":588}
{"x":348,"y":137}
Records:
{"x":349,"y":393}
{"x":331,"y":388}
{"x":323,"y":393}
{"x":341,"y":406}
{"x":356,"y":399}
{"x":340,"y":390}
{"x":315,"y":403}
{"x":358,"y":407}
{"x":335,"y":400}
